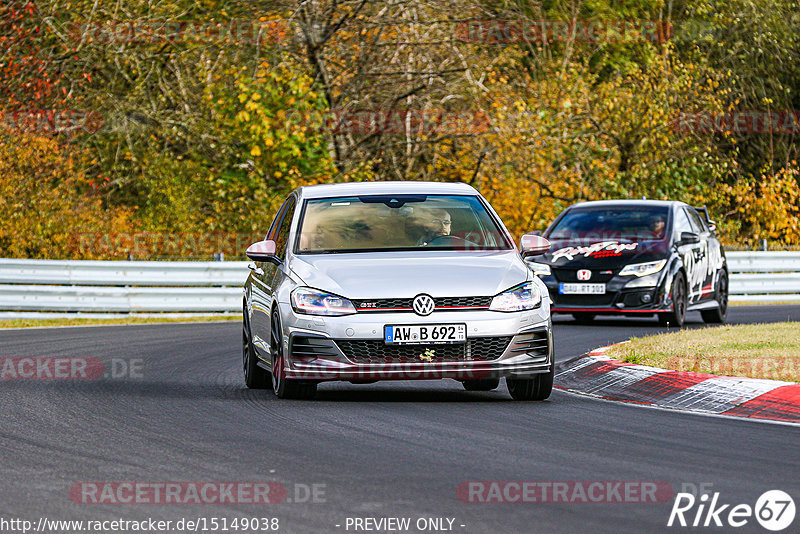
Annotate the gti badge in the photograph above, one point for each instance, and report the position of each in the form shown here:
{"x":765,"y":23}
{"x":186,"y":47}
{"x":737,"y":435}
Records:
{"x":584,"y":274}
{"x":423,"y":304}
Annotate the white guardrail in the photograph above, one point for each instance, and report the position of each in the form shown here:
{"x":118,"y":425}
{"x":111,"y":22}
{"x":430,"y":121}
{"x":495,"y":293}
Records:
{"x":121,"y":286}
{"x":764,"y":276}
{"x":216,"y":287}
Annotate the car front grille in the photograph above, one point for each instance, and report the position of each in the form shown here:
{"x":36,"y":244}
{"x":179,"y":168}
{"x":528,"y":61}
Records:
{"x":404,"y":304}
{"x":376,"y":351}
{"x":599,"y":276}
{"x":582,"y":300}
{"x":309,"y":347}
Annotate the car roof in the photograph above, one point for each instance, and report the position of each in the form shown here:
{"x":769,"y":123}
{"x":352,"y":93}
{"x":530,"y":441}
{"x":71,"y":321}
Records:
{"x":385,"y":188}
{"x":627,"y":203}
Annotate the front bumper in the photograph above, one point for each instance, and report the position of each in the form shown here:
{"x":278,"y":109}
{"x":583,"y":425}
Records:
{"x":623,"y":296}
{"x":334,"y":361}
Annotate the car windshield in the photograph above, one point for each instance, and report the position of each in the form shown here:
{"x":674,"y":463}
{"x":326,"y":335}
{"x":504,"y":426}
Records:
{"x":397,"y":222}
{"x":612,"y":224}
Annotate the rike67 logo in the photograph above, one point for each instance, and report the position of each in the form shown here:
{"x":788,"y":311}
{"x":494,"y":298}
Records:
{"x":774,"y":510}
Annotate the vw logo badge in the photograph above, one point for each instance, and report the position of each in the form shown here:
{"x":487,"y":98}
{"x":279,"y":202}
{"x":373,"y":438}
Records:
{"x":423,"y":304}
{"x":584,"y":274}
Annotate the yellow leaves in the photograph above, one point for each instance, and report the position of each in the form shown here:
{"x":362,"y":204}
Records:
{"x":39,"y":176}
{"x":255,"y":151}
{"x":769,"y":207}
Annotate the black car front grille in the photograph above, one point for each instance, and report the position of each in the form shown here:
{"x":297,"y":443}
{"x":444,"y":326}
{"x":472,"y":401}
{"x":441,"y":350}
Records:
{"x":463,"y":302}
{"x":599,"y":276}
{"x":382,"y":304}
{"x":605,"y":299}
{"x":312,"y":347}
{"x":376,"y":351}
{"x":389,"y":305}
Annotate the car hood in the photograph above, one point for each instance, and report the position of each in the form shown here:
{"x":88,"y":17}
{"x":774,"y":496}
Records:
{"x":407,"y":274}
{"x":602,"y":254}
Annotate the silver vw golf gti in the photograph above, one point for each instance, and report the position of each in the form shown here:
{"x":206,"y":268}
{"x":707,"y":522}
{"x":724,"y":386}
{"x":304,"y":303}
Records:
{"x":394,"y":281}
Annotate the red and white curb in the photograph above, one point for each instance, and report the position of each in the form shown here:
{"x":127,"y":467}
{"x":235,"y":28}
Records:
{"x":598,"y":375}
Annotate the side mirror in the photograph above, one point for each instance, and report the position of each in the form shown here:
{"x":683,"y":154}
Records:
{"x":262,"y":251}
{"x":689,"y":238}
{"x":533,"y":245}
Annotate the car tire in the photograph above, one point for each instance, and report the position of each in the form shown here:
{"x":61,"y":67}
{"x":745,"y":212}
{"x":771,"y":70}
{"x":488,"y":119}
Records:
{"x":583,"y":317}
{"x":680,"y":302}
{"x":485,"y":384}
{"x":254,"y":376}
{"x":285,"y":388}
{"x":537,"y":388}
{"x":719,"y":315}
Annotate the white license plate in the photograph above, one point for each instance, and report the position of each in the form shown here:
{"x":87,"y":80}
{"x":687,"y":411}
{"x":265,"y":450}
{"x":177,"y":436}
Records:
{"x":581,"y":289}
{"x":426,"y":333}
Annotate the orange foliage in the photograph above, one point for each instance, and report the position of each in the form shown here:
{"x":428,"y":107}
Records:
{"x":768,"y":208}
{"x":46,"y":201}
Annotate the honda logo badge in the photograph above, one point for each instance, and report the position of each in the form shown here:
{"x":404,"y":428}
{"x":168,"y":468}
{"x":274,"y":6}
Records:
{"x":584,"y":274}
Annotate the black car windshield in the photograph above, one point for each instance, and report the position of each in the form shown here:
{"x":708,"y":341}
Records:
{"x":373,"y":223}
{"x":612,"y":224}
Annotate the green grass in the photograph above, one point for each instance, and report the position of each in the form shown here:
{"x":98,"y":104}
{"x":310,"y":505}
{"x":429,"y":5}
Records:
{"x":769,"y":351}
{"x":78,"y":321}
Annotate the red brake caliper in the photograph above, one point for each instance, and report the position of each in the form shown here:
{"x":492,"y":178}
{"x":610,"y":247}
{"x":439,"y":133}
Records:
{"x":277,"y":367}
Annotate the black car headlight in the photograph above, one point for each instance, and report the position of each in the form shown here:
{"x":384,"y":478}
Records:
{"x":316,"y":302}
{"x":643,"y":269}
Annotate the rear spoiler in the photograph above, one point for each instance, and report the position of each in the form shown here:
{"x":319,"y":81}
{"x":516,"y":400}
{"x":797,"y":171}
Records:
{"x":703,"y":212}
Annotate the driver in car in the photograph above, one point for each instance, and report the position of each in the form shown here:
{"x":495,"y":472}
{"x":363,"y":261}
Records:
{"x":436,"y":226}
{"x":657,"y":227}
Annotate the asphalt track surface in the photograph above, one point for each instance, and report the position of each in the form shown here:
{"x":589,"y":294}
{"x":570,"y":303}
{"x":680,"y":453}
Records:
{"x":391,"y":449}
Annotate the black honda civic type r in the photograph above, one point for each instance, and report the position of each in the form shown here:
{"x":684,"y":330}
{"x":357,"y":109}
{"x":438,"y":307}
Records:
{"x":635,"y":258}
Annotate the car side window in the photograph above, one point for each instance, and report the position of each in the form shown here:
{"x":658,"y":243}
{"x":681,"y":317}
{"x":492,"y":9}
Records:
{"x":273,"y":228}
{"x":682,"y":223}
{"x":697,"y":221}
{"x":282,"y":234}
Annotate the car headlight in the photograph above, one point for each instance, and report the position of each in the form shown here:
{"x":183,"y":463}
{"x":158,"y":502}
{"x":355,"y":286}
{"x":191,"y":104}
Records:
{"x":540,"y":269}
{"x":643,"y":269}
{"x":315,"y":302}
{"x":525,"y":296}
